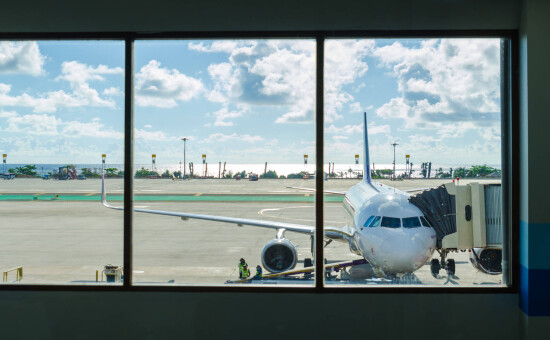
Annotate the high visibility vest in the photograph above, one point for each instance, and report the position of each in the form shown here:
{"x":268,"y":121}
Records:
{"x":246,"y":273}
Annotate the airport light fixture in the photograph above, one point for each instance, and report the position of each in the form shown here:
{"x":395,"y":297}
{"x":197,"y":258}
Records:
{"x":184,"y":139}
{"x":394,"y":145}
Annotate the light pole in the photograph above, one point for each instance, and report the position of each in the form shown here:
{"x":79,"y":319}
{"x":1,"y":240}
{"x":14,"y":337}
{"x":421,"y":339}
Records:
{"x":394,"y":145}
{"x":184,"y":163}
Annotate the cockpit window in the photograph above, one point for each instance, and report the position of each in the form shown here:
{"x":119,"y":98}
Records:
{"x":425,"y":222}
{"x":375,"y":222}
{"x":369,"y":220}
{"x":411,"y":222}
{"x":391,"y":222}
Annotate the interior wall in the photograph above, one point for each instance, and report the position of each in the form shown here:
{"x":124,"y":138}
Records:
{"x":215,"y":15}
{"x":160,"y":315}
{"x":535,"y":146}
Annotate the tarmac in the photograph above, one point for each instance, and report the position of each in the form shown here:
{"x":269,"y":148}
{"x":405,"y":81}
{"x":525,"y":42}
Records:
{"x":68,"y":238}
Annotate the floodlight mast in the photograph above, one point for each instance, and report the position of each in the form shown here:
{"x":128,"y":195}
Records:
{"x":184,"y":139}
{"x":394,"y":145}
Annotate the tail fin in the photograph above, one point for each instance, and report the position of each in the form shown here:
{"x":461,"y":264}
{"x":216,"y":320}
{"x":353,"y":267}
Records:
{"x":366,"y":162}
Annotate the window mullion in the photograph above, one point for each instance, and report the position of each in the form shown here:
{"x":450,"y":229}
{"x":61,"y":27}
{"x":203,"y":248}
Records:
{"x":128,"y":158}
{"x":319,"y":153}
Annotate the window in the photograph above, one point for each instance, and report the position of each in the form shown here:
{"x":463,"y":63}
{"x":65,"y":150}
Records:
{"x":61,"y":123}
{"x":391,"y":222}
{"x":217,"y":124}
{"x":411,"y":222}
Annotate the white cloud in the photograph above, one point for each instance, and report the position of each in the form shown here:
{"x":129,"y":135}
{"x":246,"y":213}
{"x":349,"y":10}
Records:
{"x":34,"y":124}
{"x":92,"y":129}
{"x":48,"y":125}
{"x":227,"y":46}
{"x":77,"y":73}
{"x":147,"y":126}
{"x":220,"y":137}
{"x":161,"y":87}
{"x":258,"y":73}
{"x":444,"y":82}
{"x":112,"y":91}
{"x":21,"y":57}
{"x":153,"y":135}
{"x":82,"y":94}
{"x":350,"y":129}
{"x":343,"y":65}
{"x":223,"y":114}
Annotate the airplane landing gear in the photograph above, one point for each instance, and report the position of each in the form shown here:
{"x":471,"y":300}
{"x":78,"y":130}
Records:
{"x":449,"y":265}
{"x":435,"y":267}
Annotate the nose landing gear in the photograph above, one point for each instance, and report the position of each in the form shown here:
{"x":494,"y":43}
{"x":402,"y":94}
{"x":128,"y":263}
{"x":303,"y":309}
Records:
{"x":449,"y":265}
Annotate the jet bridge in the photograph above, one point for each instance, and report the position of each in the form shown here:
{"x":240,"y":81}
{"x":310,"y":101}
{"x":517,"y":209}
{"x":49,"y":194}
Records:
{"x":465,"y":217}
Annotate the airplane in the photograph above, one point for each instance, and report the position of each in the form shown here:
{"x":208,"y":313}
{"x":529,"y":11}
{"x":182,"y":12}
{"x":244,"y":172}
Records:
{"x":388,"y":231}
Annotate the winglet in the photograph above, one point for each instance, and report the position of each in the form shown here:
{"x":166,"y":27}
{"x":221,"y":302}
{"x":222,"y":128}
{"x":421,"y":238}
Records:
{"x":104,"y":194}
{"x":366,"y":165}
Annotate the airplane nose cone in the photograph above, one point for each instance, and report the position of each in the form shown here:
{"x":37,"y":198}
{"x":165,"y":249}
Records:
{"x":405,"y":253}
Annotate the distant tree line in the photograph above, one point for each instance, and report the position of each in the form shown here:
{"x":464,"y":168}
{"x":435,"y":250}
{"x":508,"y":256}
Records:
{"x":472,"y":172}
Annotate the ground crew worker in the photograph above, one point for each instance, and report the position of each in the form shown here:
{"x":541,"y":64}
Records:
{"x":258,"y":272}
{"x":246,"y":272}
{"x":242,"y":263}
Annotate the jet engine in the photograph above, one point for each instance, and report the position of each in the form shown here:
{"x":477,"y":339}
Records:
{"x":279,"y":255}
{"x":488,"y":261}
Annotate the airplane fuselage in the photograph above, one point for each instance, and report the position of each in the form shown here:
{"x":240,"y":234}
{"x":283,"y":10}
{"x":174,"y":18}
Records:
{"x":388,"y":231}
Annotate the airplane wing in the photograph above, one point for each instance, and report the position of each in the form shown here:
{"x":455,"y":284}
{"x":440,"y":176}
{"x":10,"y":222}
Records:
{"x":325,"y":191}
{"x":332,"y":232}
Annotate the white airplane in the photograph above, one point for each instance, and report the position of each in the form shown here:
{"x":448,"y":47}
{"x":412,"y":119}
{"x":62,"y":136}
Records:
{"x":386,"y":229}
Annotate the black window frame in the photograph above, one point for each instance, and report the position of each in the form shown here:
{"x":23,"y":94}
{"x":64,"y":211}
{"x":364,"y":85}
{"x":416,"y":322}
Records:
{"x":509,"y":146}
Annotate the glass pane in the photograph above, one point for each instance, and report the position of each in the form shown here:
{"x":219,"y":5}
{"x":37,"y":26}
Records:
{"x":432,"y":111}
{"x":391,"y":222}
{"x":224,"y":128}
{"x":411,"y":222}
{"x":61,"y":108}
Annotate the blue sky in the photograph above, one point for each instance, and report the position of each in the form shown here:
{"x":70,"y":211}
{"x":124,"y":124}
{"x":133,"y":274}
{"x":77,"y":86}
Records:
{"x":251,"y":101}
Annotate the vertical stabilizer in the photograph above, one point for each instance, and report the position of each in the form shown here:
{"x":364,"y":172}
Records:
{"x":366,"y":162}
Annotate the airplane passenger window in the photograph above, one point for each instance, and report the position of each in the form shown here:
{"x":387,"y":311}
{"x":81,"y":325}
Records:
{"x":391,"y":222}
{"x":61,"y":124}
{"x":411,"y":222}
{"x":406,"y":121}
{"x":223,"y":128}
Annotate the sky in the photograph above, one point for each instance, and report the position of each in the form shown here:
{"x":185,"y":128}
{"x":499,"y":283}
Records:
{"x":251,"y":101}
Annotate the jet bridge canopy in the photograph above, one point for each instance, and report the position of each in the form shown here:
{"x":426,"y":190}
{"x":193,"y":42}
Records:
{"x":463,"y":216}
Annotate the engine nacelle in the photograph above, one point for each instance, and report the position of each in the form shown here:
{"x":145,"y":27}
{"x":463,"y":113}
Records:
{"x":279,"y":255}
{"x":488,"y":261}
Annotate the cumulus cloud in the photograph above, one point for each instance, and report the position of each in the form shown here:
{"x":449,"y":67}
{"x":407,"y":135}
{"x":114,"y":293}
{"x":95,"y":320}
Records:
{"x":112,"y":91}
{"x":223,"y":114}
{"x":349,"y":129}
{"x":21,"y":57}
{"x":48,"y":125}
{"x":153,"y":135}
{"x":78,"y":75}
{"x":343,"y":65}
{"x":265,"y":73}
{"x":220,"y":137}
{"x":444,"y":82}
{"x":160,"y":87}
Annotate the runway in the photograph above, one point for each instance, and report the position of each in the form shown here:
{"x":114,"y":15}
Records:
{"x":66,"y":240}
